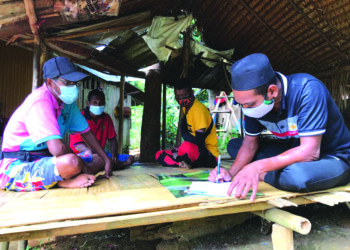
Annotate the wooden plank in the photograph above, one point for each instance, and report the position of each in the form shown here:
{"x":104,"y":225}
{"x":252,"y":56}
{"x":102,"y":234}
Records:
{"x":282,"y":203}
{"x":49,"y":230}
{"x":330,"y":199}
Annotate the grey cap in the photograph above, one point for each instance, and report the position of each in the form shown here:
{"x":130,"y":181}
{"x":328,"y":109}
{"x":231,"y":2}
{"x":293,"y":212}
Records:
{"x":251,"y":72}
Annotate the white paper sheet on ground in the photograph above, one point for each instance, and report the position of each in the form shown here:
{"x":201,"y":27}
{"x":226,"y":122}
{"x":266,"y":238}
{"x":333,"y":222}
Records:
{"x":208,"y":188}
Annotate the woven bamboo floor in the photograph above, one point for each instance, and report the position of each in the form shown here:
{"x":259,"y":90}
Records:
{"x":132,"y":197}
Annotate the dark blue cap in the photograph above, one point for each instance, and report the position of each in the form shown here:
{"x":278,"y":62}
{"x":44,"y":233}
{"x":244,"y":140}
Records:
{"x":251,"y":72}
{"x":62,"y":67}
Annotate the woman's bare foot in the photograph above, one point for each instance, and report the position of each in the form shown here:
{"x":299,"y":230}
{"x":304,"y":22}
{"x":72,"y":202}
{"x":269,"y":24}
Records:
{"x":80,"y":181}
{"x":183,"y":164}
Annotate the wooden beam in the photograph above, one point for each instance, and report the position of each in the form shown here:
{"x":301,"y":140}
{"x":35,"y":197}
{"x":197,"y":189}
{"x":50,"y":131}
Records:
{"x":54,"y":13}
{"x":90,"y":33}
{"x":134,"y":19}
{"x":91,"y":57}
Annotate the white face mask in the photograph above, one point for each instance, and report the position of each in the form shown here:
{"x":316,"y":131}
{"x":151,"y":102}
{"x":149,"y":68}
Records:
{"x":97,"y":110}
{"x":260,"y":110}
{"x":69,"y":94}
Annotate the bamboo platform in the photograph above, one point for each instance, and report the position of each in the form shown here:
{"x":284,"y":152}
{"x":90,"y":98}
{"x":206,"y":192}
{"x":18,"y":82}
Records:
{"x":132,"y":197}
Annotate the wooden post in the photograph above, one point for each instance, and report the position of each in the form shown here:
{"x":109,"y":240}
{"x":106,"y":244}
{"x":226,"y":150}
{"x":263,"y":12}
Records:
{"x":22,"y":244}
{"x":282,"y":238}
{"x":4,"y":245}
{"x":150,"y":130}
{"x":36,"y":67}
{"x":121,"y":115}
{"x":186,"y":52}
{"x":186,"y":65}
{"x":164,"y":117}
{"x":286,"y":219}
{"x":30,"y":11}
{"x":178,"y":133}
{"x":43,"y":59}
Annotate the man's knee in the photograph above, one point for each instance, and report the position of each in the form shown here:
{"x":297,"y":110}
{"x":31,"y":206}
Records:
{"x":71,"y":163}
{"x":294,"y":178}
{"x":187,"y":147}
{"x":233,"y":146}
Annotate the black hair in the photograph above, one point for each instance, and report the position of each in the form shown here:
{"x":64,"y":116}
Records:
{"x":262,"y":90}
{"x":182,"y":83}
{"x":96,"y":93}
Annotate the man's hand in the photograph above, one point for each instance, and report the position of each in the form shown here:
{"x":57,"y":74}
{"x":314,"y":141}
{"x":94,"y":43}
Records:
{"x":224,"y":175}
{"x":246,"y":179}
{"x":108,"y":167}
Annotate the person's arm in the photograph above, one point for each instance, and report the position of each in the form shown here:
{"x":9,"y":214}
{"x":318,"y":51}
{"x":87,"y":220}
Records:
{"x":57,"y":148}
{"x":92,"y":142}
{"x":82,"y":147}
{"x":198,"y":138}
{"x":248,"y":177}
{"x":245,"y":155}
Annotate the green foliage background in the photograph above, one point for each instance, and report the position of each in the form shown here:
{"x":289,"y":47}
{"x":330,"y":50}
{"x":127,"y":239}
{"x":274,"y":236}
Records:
{"x":172,"y":118}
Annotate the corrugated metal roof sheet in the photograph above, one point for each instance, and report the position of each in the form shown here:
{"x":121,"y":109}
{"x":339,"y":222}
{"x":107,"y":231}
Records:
{"x":298,"y":35}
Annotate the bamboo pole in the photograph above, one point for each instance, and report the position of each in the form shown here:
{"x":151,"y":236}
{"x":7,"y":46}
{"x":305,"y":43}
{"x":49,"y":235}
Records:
{"x":121,"y":114}
{"x":282,"y":238}
{"x":286,"y":219}
{"x":164,"y":117}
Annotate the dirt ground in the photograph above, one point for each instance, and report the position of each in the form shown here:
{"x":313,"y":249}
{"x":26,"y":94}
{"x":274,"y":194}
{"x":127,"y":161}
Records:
{"x":330,"y":230}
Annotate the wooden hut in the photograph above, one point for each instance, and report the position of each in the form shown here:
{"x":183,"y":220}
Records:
{"x":297,"y":35}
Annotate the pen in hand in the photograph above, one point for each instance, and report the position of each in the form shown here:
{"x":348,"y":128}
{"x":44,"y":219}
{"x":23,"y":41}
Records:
{"x":218,"y":170}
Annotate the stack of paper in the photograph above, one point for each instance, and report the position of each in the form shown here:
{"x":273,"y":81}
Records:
{"x":208,"y":188}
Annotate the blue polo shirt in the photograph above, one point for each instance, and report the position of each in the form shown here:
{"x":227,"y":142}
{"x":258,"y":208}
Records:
{"x":307,"y":109}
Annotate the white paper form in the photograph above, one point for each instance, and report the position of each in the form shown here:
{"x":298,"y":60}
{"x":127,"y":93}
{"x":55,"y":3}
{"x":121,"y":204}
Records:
{"x":208,"y":188}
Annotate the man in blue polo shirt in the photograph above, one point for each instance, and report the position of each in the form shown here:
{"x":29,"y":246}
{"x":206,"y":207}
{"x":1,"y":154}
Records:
{"x":311,"y":146}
